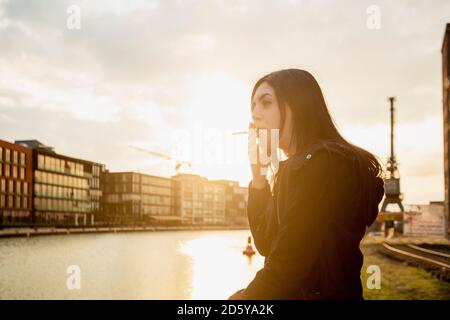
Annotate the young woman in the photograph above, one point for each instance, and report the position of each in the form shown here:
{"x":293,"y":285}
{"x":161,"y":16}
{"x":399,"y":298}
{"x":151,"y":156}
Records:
{"x":309,"y":225}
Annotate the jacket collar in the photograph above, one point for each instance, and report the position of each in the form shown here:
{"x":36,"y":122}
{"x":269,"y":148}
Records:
{"x":298,"y":160}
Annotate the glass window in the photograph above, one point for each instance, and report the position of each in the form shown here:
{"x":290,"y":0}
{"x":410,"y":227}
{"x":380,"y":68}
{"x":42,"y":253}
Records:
{"x":10,"y":201}
{"x":46,"y":164}
{"x":37,"y":203}
{"x":10,"y":186}
{"x":14,"y":171}
{"x":1,"y":154}
{"x":22,"y":173}
{"x":57,"y":165}
{"x":18,"y":187}
{"x":41,"y":162}
{"x":17,"y":204}
{"x":7,"y":156}
{"x":25,"y":202}
{"x":25,"y":188}
{"x":97,"y":171}
{"x":22,"y":158}
{"x":15,"y":157}
{"x":44,"y":177}
{"x":3,"y":185}
{"x":52,"y":164}
{"x":7,"y":170}
{"x":37,"y":189}
{"x":2,"y":201}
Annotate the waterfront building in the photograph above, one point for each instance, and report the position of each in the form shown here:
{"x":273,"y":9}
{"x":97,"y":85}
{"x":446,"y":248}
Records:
{"x":16,"y":178}
{"x":66,"y":190}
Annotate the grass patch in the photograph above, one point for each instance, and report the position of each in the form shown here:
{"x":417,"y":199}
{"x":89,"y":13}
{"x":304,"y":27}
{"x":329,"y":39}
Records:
{"x":399,"y":281}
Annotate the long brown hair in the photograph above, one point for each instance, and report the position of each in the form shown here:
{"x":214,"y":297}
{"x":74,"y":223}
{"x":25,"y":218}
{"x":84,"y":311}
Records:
{"x":312,"y":122}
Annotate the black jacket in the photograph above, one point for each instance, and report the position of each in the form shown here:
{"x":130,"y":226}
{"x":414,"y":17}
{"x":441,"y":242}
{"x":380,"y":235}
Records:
{"x":309,"y":229}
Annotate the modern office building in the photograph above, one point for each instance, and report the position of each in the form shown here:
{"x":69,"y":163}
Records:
{"x":131,"y":196}
{"x":41,"y":186}
{"x":66,"y":190}
{"x":16,"y":178}
{"x":198,"y":200}
{"x":236,"y":198}
{"x":446,"y":114}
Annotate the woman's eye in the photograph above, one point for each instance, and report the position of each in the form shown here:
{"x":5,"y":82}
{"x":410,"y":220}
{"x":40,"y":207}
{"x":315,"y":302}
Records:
{"x":266,"y":103}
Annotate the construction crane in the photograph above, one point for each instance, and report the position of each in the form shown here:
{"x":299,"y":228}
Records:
{"x":392,"y":181}
{"x":178,"y":163}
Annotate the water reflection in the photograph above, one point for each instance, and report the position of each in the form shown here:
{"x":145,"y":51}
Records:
{"x":153,"y":265}
{"x":218,"y":266}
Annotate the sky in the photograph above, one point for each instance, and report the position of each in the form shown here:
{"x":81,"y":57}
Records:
{"x":92,"y":78}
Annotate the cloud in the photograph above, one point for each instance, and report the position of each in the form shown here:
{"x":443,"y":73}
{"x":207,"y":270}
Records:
{"x":141,"y":67}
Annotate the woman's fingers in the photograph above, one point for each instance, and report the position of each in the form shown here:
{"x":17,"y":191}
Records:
{"x":252,"y":146}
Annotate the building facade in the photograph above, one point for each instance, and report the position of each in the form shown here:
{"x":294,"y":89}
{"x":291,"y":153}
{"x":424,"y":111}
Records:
{"x":425,"y":220}
{"x":66,"y":190}
{"x":198,"y":200}
{"x":131,"y":196}
{"x":40,"y":186}
{"x":446,"y":114}
{"x":16,"y":179}
{"x":236,"y":198}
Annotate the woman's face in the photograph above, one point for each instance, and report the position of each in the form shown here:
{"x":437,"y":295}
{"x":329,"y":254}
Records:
{"x":266,"y":115}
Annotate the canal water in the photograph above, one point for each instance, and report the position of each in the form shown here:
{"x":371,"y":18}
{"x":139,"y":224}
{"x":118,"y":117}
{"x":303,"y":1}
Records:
{"x":136,"y":265}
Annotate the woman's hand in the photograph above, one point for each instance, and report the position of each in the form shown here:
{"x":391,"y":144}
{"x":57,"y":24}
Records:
{"x":259,"y":170}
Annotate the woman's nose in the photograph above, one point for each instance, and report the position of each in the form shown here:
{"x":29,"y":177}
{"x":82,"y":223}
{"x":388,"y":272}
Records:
{"x":256,"y":116}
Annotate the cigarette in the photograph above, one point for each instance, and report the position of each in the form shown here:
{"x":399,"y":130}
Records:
{"x":239,"y":132}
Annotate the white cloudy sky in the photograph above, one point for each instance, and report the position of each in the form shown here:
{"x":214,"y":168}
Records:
{"x":139,"y":71}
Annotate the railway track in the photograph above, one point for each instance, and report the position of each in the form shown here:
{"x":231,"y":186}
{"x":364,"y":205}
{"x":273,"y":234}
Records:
{"x":435,"y":261}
